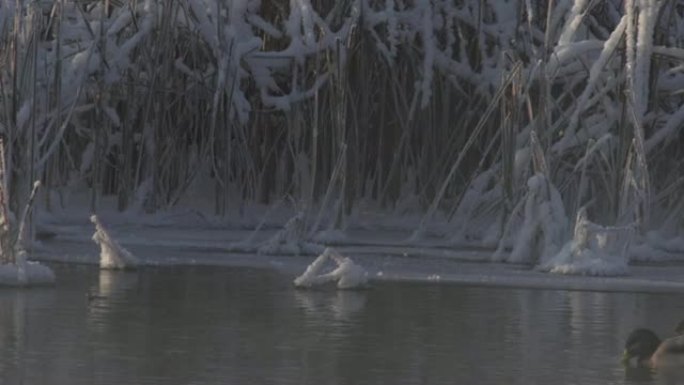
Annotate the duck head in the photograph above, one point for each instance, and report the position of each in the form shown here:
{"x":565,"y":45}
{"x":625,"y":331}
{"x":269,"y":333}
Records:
{"x":641,"y":344}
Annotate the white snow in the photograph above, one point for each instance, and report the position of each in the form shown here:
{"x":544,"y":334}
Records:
{"x":112,"y":255}
{"x":183,"y":238}
{"x":330,"y":236}
{"x":594,"y":250}
{"x":594,"y":75}
{"x":648,"y":14}
{"x":347,"y":275}
{"x":542,"y":231}
{"x":25,"y":273}
{"x":291,"y":239}
{"x":574,"y":21}
{"x":672,"y":126}
{"x":272,"y":64}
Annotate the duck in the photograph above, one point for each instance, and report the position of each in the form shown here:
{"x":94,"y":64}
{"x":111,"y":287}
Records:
{"x":650,"y":352}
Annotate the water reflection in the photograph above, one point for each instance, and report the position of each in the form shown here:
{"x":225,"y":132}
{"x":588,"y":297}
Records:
{"x":112,"y":284}
{"x":12,"y":331}
{"x":109,"y":293}
{"x":20,"y":330}
{"x":244,"y":326}
{"x":673,"y":376}
{"x":340,"y":304}
{"x":638,"y":375}
{"x":641,"y":375}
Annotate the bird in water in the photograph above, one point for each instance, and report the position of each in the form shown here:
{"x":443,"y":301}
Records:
{"x":650,"y":352}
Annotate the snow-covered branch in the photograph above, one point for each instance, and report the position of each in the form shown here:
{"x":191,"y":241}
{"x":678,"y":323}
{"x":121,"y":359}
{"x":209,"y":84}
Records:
{"x":112,"y":255}
{"x":347,"y":274}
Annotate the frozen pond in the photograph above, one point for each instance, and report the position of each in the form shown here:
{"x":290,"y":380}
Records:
{"x":232,"y":325}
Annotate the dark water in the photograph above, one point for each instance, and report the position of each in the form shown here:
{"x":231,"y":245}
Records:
{"x":249,"y":326}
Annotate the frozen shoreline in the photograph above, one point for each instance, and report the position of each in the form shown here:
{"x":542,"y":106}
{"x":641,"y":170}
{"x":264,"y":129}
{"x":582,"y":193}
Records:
{"x":209,"y":246}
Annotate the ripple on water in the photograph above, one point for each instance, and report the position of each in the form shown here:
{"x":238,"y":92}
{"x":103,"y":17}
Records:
{"x":236,"y":325}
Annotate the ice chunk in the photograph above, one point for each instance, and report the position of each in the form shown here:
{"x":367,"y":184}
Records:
{"x":112,"y":255}
{"x":23,"y":273}
{"x":348,"y":274}
{"x":594,"y":250}
{"x":542,"y":232}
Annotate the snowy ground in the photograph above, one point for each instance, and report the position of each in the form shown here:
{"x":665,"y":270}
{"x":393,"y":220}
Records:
{"x":187,"y":242}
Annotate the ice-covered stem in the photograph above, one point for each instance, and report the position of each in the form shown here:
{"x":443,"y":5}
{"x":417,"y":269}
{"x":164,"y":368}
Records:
{"x":294,"y":229}
{"x":6,"y":247}
{"x":544,"y":226}
{"x":593,"y":250}
{"x":539,"y":163}
{"x":648,"y":15}
{"x":112,"y":255}
{"x":332,"y":183}
{"x":291,"y":236}
{"x":23,"y":236}
{"x":609,"y":47}
{"x":508,"y":229}
{"x":347,"y":274}
{"x":635,"y":195}
{"x":471,"y":140}
{"x":636,"y":175}
{"x":311,"y":276}
{"x":577,"y":14}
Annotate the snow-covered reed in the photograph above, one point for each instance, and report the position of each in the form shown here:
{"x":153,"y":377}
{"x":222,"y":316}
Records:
{"x":25,"y":273}
{"x":331,"y":102}
{"x":112,"y":255}
{"x":347,"y":274}
{"x":593,"y":250}
{"x":543,"y":230}
{"x":291,"y":239}
{"x":15,"y":268}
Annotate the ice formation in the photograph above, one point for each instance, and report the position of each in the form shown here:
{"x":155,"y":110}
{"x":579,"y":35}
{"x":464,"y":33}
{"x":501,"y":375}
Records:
{"x":291,"y":239}
{"x":112,"y":255}
{"x":331,"y":236}
{"x":247,"y":58}
{"x":16,"y":270}
{"x":25,"y":273}
{"x":348,"y":274}
{"x":543,"y":229}
{"x":593,"y":250}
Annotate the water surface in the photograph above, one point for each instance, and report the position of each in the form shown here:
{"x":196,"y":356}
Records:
{"x":204,"y":325}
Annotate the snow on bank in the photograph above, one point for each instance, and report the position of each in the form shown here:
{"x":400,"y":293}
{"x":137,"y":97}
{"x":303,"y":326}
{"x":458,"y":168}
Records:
{"x":112,"y":255}
{"x":29,"y":274}
{"x":594,"y":250}
{"x":291,"y":239}
{"x":383,"y":263}
{"x":379,"y":249}
{"x":24,"y":273}
{"x":656,"y":247}
{"x":544,"y":224}
{"x":348,"y":275}
{"x":15,"y":269}
{"x":642,"y":279}
{"x":331,"y":237}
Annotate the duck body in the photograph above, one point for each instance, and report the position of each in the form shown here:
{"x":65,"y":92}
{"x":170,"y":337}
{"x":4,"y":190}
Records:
{"x":649,"y":351}
{"x":670,"y":354}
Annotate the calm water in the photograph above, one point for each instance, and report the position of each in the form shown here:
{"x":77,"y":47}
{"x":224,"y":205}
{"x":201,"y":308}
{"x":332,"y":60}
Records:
{"x":249,"y":326}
